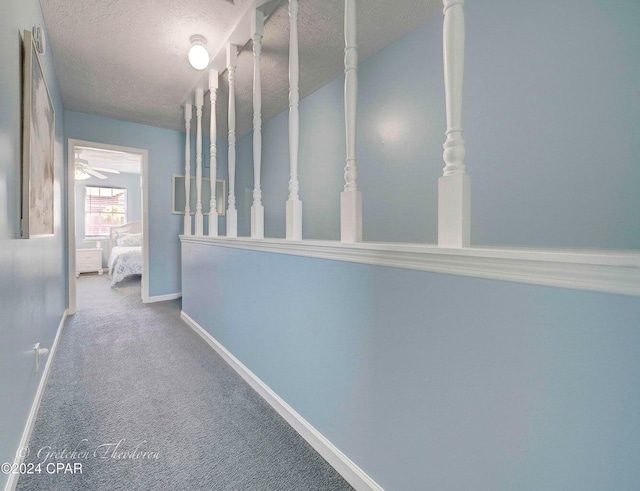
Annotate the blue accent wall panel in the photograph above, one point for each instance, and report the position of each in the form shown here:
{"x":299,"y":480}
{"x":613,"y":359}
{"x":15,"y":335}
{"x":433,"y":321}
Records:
{"x":552,"y":112}
{"x":222,"y":173}
{"x":320,"y":171}
{"x":431,"y":381}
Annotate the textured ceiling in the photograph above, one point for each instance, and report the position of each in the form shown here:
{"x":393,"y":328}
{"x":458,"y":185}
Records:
{"x":127,"y":59}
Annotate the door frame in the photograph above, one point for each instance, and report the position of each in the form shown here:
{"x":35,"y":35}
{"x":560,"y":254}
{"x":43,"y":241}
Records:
{"x":71,"y":213}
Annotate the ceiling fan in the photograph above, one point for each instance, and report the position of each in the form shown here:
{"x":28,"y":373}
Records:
{"x":84,"y":170}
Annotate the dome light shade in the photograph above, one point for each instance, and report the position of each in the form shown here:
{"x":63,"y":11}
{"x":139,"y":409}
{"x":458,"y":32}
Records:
{"x":81,"y":175}
{"x":198,"y":55}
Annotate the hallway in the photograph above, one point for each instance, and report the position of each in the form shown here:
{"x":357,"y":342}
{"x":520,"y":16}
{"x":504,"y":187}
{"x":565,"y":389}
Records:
{"x":141,"y":402}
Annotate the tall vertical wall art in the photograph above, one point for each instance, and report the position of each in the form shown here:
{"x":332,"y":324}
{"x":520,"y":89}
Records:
{"x":37,"y":148}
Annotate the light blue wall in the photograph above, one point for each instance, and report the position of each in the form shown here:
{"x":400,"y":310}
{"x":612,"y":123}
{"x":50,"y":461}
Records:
{"x":222,"y":172}
{"x":432,"y":381}
{"x":166,"y":157}
{"x":551,"y":116}
{"x":32,"y":272}
{"x":130,"y":182}
{"x":320,"y":172}
{"x":552,"y":124}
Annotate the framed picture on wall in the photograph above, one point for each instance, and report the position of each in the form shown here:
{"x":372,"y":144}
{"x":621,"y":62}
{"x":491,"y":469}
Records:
{"x":38,"y":132}
{"x":178,"y":199}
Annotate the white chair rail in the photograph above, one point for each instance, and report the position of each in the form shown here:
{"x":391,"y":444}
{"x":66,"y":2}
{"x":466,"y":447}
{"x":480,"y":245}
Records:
{"x":601,"y":271}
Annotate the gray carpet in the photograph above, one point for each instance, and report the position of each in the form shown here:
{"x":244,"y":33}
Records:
{"x":146,"y":404}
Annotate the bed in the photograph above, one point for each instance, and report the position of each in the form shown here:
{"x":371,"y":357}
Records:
{"x":125,"y":251}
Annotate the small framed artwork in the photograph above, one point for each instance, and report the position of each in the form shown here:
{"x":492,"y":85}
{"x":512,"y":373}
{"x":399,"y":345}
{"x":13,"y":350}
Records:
{"x":178,"y":195}
{"x":38,"y":134}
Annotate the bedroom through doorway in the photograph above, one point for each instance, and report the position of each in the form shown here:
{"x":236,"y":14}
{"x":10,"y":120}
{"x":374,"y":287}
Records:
{"x":107,"y":221}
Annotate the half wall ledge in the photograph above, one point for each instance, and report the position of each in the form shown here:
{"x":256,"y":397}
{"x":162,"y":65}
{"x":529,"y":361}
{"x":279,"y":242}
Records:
{"x":615,"y":272}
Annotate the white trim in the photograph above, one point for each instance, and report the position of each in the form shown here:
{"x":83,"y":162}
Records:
{"x":144,"y":186}
{"x":162,"y":298}
{"x":355,"y":476}
{"x":33,"y":413}
{"x":71,"y":227}
{"x":95,"y":239}
{"x":71,"y":213}
{"x":602,"y":271}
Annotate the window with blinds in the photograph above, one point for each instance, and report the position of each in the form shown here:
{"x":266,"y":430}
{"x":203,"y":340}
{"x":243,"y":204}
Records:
{"x":103,"y":208}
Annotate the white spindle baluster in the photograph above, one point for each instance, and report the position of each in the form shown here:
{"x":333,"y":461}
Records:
{"x":294,"y":205}
{"x":213,"y":162}
{"x":199,"y":217}
{"x":232,"y":213}
{"x":257,"y":210}
{"x":351,"y":198}
{"x":187,"y":169}
{"x":454,"y":187}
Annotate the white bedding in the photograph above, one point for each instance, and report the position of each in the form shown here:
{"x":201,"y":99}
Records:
{"x":124,"y":261}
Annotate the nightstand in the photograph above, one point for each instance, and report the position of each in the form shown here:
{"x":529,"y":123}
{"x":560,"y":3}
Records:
{"x":88,"y":261}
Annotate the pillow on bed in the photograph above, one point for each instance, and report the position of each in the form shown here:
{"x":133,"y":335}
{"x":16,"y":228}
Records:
{"x":129,"y":240}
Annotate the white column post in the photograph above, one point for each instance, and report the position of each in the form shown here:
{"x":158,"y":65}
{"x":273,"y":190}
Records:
{"x":294,"y":205}
{"x":199,"y":217}
{"x":187,"y":169}
{"x":213,"y":151}
{"x":232,"y":213}
{"x":454,"y":187}
{"x":257,"y":210}
{"x":350,"y":198}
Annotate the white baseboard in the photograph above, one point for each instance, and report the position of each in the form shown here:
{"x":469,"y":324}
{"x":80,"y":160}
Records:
{"x":33,"y":413}
{"x":162,"y":298}
{"x":355,"y":476}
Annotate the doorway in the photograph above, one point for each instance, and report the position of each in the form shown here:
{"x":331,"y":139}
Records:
{"x":97,"y":162}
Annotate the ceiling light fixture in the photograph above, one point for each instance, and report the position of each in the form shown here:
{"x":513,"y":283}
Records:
{"x":81,"y":175}
{"x":198,"y":55}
